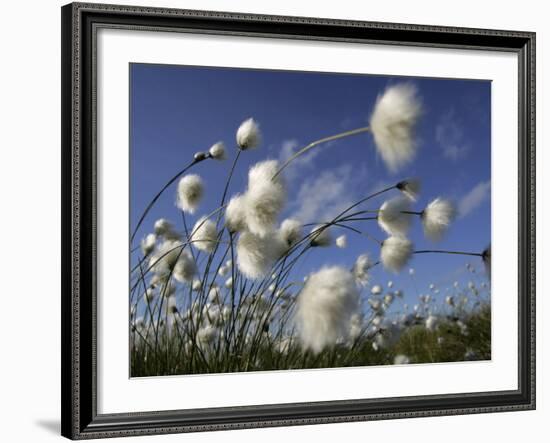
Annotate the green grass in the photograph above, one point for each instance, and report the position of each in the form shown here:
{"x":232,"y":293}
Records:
{"x":447,"y":343}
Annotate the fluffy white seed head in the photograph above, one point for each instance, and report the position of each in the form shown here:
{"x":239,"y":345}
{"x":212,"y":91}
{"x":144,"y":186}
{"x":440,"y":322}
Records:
{"x":148,"y":243}
{"x":392,"y":123}
{"x":401,"y":359}
{"x":235,"y":214}
{"x":204,"y":235}
{"x":206,"y":335}
{"x":391,"y":216}
{"x":290,"y":231}
{"x":320,"y":236}
{"x":165,"y":229}
{"x":265,"y":197}
{"x":256,"y":255}
{"x":432,"y":322}
{"x":229,"y":283}
{"x":395,"y":253}
{"x":248,"y":135}
{"x":325,"y":306}
{"x":190,"y":193}
{"x":342,"y":241}
{"x":376,"y":290}
{"x":164,"y":259}
{"x":197,"y":285}
{"x":361,"y":269}
{"x":410,"y":188}
{"x":217,"y":151}
{"x":437,"y":217}
{"x":214,"y":294}
{"x":185,"y":268}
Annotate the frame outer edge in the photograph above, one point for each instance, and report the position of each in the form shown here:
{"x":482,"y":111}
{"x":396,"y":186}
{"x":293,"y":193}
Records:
{"x":72,"y":399}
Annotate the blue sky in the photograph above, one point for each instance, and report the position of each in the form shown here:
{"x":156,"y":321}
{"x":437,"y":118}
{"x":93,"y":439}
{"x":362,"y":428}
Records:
{"x":178,"y":110}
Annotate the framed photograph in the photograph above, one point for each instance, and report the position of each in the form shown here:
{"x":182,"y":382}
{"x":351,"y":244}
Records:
{"x":273,"y":221}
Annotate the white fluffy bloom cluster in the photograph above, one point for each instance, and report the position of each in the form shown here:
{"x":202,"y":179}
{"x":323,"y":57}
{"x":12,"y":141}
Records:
{"x":185,"y":268}
{"x":320,"y":236}
{"x":258,"y":208}
{"x":393,"y":216}
{"x":437,"y":217}
{"x":204,"y":235}
{"x":148,"y":243}
{"x":395,"y":253}
{"x":265,"y":197}
{"x":290,"y":231}
{"x":376,"y":290}
{"x":248,"y":135}
{"x":256,"y":255}
{"x":190,"y":193}
{"x":235,"y":214}
{"x":401,"y":359}
{"x":325,"y":307}
{"x":392,"y":123}
{"x":217,"y":151}
{"x":361,"y":269}
{"x":166,"y":256}
{"x":342,"y":241}
{"x":432,"y":322}
{"x":165,"y":229}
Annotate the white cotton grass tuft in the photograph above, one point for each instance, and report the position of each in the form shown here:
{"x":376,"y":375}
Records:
{"x":256,"y":255}
{"x":164,"y":259}
{"x":217,"y":151}
{"x":190,"y":193}
{"x":204,"y":235}
{"x":395,"y":253}
{"x":185,"y":268}
{"x":320,"y":236}
{"x":361,"y":269}
{"x":165,"y":229}
{"x":248,"y":135}
{"x":401,"y":359}
{"x":235,"y":214}
{"x":410,"y":188}
{"x":431,"y":323}
{"x":392,"y":216}
{"x":376,"y":290}
{"x":325,"y":306}
{"x":342,"y":241}
{"x":148,"y":243}
{"x":290,"y":231}
{"x":437,"y":217}
{"x":196,"y":285}
{"x":392,"y":124}
{"x":265,"y":197}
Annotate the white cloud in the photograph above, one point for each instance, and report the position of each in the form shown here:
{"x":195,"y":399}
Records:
{"x":450,"y":136}
{"x":323,"y":196}
{"x":304,"y":161}
{"x":477,"y":195}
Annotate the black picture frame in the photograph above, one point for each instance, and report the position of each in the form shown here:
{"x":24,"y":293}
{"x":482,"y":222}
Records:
{"x":79,"y":175}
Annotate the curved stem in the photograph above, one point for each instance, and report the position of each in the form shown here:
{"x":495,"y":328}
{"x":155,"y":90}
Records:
{"x":156,"y":197}
{"x":441,"y":251}
{"x":318,"y":142}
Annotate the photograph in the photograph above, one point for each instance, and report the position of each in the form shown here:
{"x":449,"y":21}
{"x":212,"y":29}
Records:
{"x":296,"y":220}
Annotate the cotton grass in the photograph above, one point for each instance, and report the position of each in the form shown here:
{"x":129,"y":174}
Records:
{"x":325,"y":307}
{"x":392,"y":123}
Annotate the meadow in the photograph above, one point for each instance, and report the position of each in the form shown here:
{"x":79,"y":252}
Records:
{"x":225,"y":293}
